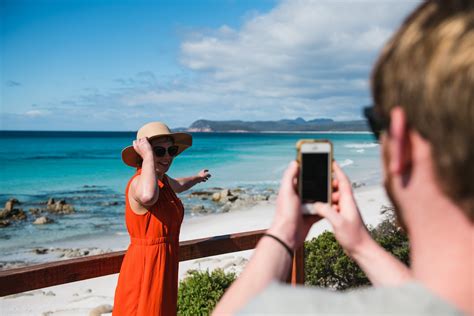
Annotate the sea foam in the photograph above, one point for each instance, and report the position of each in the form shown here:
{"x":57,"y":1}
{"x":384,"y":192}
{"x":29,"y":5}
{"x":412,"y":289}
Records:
{"x":361,"y":145}
{"x":346,"y":162}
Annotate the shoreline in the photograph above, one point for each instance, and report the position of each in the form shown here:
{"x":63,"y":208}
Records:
{"x":53,"y":244}
{"x":247,"y":217}
{"x":81,"y":297}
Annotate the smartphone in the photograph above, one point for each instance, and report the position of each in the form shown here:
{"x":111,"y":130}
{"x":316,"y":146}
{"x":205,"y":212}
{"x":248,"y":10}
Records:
{"x":315,"y":160}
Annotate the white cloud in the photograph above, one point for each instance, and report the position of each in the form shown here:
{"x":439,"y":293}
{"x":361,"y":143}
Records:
{"x":282,"y":53}
{"x":303,"y":58}
{"x":36,"y":113}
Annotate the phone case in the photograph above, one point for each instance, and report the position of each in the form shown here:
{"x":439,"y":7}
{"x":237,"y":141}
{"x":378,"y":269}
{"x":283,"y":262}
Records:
{"x":298,"y":158}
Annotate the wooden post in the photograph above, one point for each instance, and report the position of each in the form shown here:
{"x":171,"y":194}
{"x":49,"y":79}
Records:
{"x":297,"y":269}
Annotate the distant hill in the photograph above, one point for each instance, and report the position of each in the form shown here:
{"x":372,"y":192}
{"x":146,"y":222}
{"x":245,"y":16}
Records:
{"x":296,"y":125}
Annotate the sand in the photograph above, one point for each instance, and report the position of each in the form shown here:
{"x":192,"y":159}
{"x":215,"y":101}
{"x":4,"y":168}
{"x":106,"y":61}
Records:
{"x":80,"y":298}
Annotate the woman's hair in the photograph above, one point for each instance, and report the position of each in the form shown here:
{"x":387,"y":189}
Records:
{"x":427,"y":68}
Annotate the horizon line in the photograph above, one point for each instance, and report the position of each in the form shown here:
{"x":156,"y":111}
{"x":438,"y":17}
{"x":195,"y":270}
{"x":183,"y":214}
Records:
{"x":210,"y":132}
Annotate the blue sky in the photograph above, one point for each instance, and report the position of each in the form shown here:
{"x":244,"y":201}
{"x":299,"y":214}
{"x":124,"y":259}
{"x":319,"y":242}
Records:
{"x":115,"y":65}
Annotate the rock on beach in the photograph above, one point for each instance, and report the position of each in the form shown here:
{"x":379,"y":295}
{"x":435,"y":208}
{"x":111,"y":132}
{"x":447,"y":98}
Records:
{"x":224,"y":196}
{"x":101,"y":309}
{"x":199,"y":209}
{"x":227,"y":199}
{"x":43,"y":220}
{"x":36,"y":211}
{"x":10,"y":204}
{"x":67,"y":253}
{"x":10,"y":213}
{"x":59,"y":207}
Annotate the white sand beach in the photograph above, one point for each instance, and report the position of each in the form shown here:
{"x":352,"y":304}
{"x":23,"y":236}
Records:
{"x":80,"y":298}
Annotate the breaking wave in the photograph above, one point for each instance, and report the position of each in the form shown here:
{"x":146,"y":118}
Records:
{"x":361,"y":145}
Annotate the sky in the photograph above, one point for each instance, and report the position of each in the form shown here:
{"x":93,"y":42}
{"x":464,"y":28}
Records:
{"x":114,"y":65}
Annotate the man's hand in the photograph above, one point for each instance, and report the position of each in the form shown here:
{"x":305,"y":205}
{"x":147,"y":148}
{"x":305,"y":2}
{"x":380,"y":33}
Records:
{"x":288,"y":223}
{"x":381,"y":267}
{"x":349,"y":229}
{"x":203,"y":175}
{"x":143,"y":148}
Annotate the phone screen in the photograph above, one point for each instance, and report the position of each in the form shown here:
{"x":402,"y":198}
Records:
{"x":315,"y":177}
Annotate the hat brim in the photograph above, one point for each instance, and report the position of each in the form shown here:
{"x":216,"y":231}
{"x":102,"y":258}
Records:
{"x":182,"y":140}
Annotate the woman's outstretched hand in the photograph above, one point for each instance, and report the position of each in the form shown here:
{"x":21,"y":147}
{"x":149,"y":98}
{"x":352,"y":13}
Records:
{"x":203,"y":175}
{"x":343,"y":214}
{"x":143,"y":148}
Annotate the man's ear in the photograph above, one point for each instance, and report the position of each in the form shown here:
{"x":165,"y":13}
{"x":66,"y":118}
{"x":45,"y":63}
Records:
{"x":399,"y":142}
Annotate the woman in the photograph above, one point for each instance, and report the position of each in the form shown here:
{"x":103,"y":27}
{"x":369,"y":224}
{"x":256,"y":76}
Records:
{"x":148,"y":280}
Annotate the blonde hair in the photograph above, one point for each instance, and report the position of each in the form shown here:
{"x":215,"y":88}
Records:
{"x":427,"y":68}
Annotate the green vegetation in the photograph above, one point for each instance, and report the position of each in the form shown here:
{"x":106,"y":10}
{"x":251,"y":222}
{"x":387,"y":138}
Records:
{"x":326,"y":264}
{"x":199,"y":292}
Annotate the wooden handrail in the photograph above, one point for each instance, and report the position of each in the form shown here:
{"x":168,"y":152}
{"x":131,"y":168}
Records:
{"x":48,"y":274}
{"x":205,"y":247}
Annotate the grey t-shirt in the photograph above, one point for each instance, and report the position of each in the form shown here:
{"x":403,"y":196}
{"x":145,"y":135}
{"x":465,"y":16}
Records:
{"x":409,"y":299}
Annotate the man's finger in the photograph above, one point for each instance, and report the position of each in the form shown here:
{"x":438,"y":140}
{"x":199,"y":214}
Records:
{"x":326,"y":211}
{"x":343,"y":180}
{"x":289,"y":175}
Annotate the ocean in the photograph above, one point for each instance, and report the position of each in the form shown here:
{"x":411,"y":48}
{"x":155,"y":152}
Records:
{"x":86,"y":170}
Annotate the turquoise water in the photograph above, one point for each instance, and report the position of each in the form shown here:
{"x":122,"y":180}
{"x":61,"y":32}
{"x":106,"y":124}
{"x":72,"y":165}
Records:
{"x":47,"y":162}
{"x":85,"y":168}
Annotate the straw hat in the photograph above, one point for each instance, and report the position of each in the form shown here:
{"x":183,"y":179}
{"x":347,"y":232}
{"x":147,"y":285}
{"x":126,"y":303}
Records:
{"x":153,"y":130}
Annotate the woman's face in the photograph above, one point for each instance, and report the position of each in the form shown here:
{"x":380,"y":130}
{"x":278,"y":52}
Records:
{"x":162,"y":164}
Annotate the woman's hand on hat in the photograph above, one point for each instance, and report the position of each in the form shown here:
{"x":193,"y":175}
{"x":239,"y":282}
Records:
{"x":143,"y":148}
{"x":203,"y":175}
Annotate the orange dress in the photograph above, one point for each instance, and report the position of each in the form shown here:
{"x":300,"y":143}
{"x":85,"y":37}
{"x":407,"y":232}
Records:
{"x":148,"y":280}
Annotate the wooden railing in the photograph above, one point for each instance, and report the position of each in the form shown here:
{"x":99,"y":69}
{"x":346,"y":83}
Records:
{"x":60,"y":272}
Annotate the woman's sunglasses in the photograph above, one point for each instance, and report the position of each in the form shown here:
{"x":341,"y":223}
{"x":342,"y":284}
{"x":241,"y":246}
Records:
{"x":161,"y":151}
{"x":376,"y":122}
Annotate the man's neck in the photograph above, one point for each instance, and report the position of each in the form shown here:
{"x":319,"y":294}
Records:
{"x":442,"y":247}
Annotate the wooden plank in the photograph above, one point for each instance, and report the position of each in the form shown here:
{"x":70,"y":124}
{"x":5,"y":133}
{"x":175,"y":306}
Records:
{"x":211,"y":246}
{"x":43,"y":275}
{"x":59,"y":272}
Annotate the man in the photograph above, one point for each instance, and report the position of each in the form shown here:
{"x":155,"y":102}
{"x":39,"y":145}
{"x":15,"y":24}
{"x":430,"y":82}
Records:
{"x":423,"y":89}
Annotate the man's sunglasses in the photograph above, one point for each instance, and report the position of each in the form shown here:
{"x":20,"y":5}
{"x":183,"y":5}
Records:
{"x":376,"y":122}
{"x":161,"y":151}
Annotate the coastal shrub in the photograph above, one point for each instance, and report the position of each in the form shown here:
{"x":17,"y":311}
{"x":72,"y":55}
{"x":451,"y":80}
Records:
{"x":390,"y":236}
{"x":326,"y":264}
{"x":200,"y":291}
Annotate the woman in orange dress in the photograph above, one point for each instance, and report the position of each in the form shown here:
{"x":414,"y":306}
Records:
{"x":148,"y":280}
